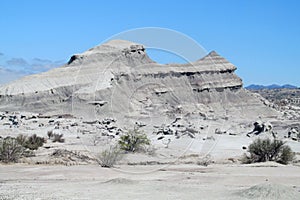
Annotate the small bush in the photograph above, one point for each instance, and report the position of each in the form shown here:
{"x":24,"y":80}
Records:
{"x":109,"y":157}
{"x":95,"y":139}
{"x":262,"y":150}
{"x":50,"y":134}
{"x":133,"y":140}
{"x":58,"y":138}
{"x":10,"y":150}
{"x":287,"y":155}
{"x":21,"y":139}
{"x":33,"y":142}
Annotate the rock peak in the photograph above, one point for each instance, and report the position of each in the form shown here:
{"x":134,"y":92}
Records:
{"x":112,"y":46}
{"x":110,"y":50}
{"x":120,"y":44}
{"x":213,"y":53}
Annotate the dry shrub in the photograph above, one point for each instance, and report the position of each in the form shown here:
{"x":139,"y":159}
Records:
{"x":32,"y":142}
{"x":205,"y":161}
{"x":10,"y":150}
{"x":50,"y":134}
{"x":109,"y":157}
{"x":58,"y":138}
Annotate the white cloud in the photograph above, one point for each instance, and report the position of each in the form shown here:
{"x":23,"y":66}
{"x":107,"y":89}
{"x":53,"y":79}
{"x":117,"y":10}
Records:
{"x":15,"y":68}
{"x":7,"y":75}
{"x":17,"y":62}
{"x":41,"y":65}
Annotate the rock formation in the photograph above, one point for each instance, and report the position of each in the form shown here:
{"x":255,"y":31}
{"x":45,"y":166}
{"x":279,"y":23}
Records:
{"x":118,"y":79}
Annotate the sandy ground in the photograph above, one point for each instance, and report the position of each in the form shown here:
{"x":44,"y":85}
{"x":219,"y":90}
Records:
{"x":171,"y":172}
{"x":22,"y":181}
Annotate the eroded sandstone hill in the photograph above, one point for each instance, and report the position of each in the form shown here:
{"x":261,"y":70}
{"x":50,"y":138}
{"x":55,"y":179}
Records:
{"x":119,"y":79}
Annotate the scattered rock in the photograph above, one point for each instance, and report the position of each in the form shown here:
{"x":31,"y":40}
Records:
{"x":218,"y":131}
{"x":262,"y":127}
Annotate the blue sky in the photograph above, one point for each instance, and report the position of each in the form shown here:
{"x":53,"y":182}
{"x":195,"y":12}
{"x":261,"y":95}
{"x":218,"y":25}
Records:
{"x":262,"y":38}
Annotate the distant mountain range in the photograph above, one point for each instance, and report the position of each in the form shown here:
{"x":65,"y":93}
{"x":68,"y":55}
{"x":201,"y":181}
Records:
{"x":269,"y":87}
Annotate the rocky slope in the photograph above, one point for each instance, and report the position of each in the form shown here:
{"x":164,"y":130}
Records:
{"x":286,"y":101}
{"x":118,"y":79}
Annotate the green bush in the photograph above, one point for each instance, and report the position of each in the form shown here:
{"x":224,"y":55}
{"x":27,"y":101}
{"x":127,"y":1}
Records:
{"x":263,"y":150}
{"x":32,"y":142}
{"x":109,"y":157}
{"x":10,"y":150}
{"x":134,"y":140}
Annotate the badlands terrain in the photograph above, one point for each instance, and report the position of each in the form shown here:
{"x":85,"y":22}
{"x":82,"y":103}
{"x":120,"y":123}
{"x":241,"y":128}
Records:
{"x":197,"y":117}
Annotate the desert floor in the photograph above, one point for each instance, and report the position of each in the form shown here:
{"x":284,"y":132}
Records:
{"x":172,"y":172}
{"x":216,"y":181}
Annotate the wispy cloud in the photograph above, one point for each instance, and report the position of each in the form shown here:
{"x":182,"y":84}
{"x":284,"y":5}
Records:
{"x":35,"y":65}
{"x":17,"y":62}
{"x":15,"y":68}
{"x":7,"y":75}
{"x":1,"y":54}
{"x":41,"y":65}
